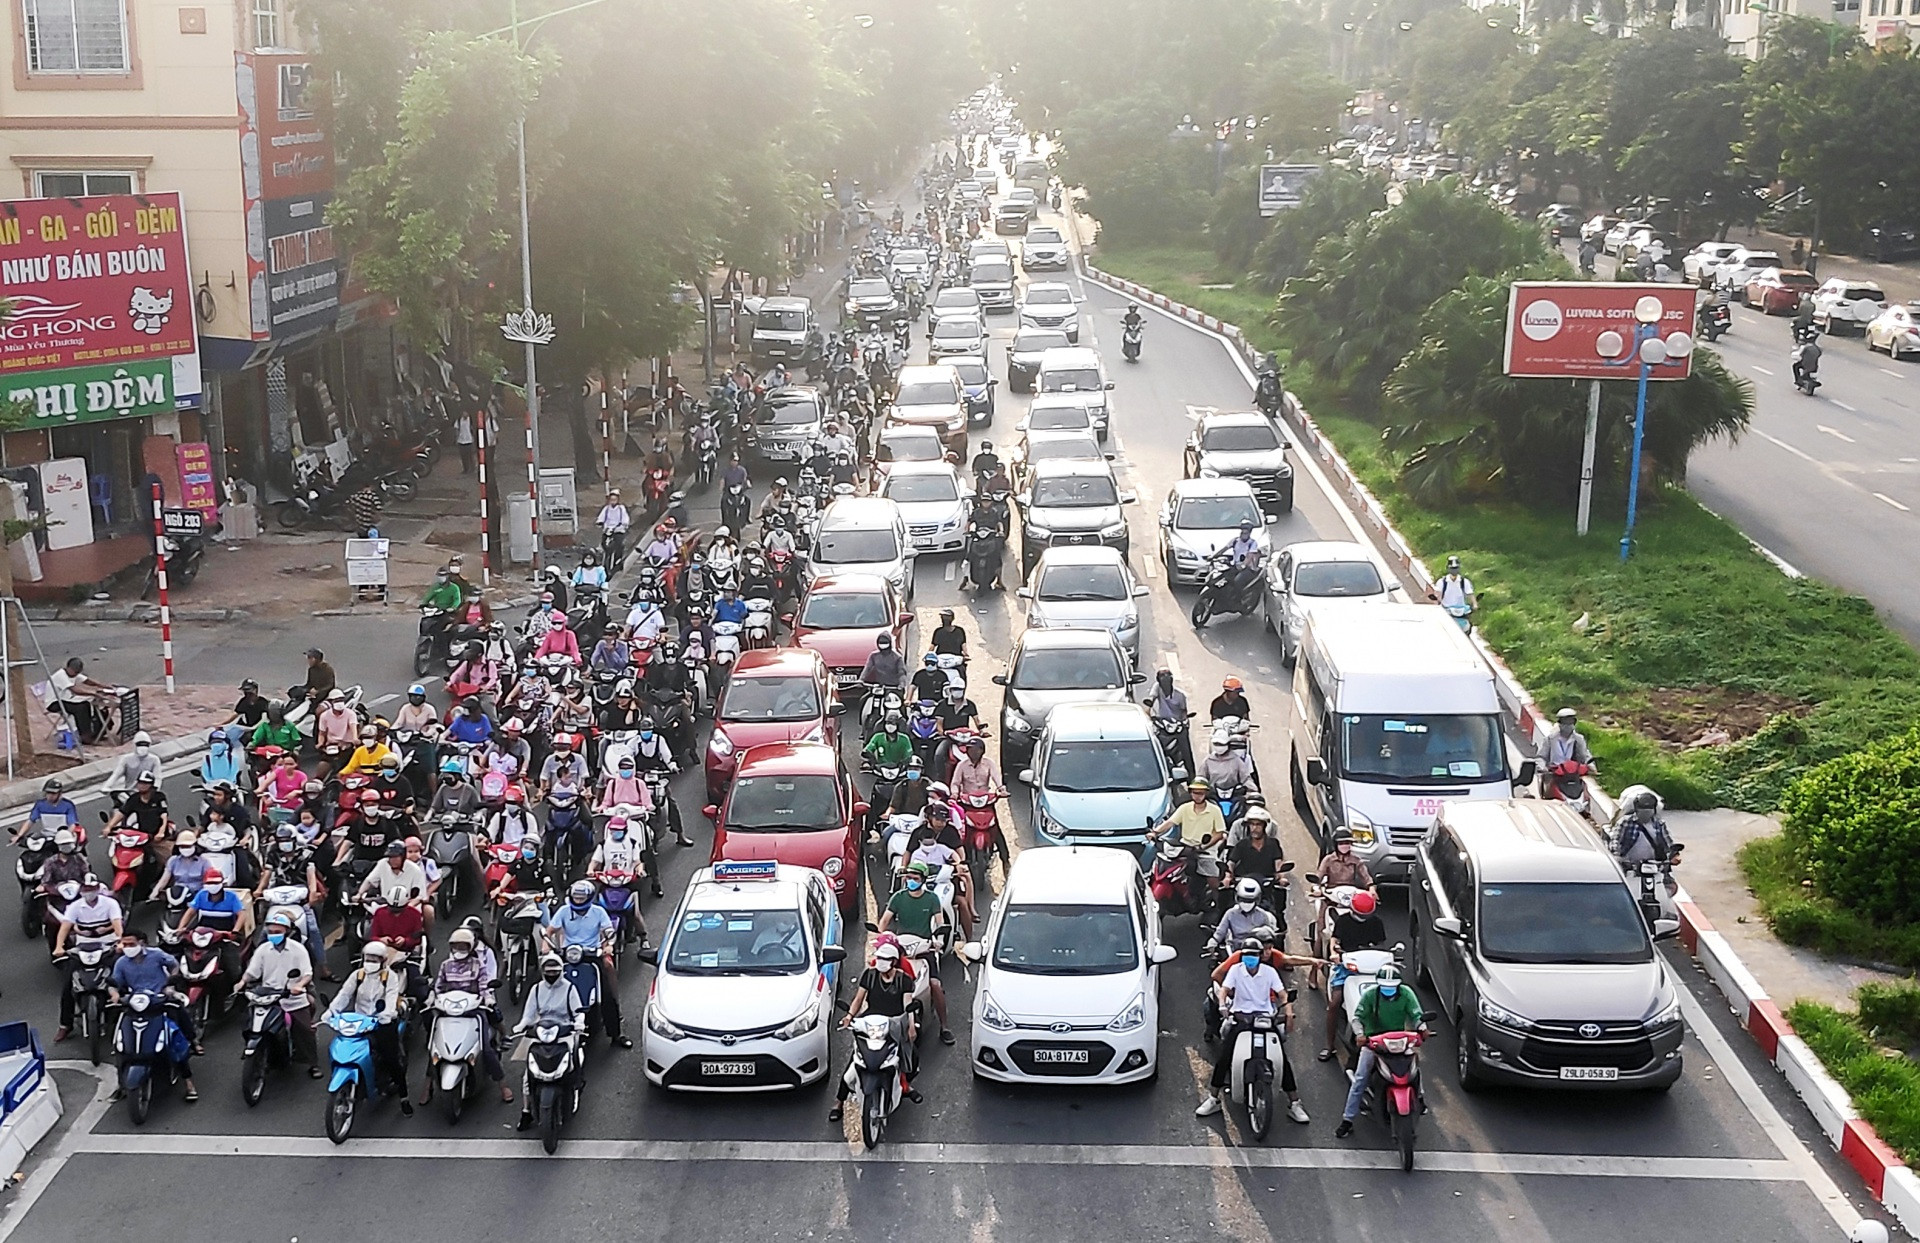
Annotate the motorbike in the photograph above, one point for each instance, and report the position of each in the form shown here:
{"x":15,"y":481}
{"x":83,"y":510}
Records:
{"x":618,"y":897}
{"x":150,"y":1044}
{"x":1462,"y":615}
{"x":1653,"y":877}
{"x":269,"y":1042}
{"x":1566,"y":782}
{"x":453,"y":1050}
{"x":1269,"y":394}
{"x":874,"y":1074}
{"x":878,"y":705}
{"x":569,"y":832}
{"x":706,"y":460}
{"x":658,"y":486}
{"x":1175,"y":744}
{"x":203,"y":971}
{"x":28,"y":869}
{"x":886,"y":779}
{"x":556,"y":1064}
{"x":759,"y":623}
{"x":1130,"y":343}
{"x":450,"y":846}
{"x":986,"y":550}
{"x":1255,"y":1048}
{"x":726,"y":650}
{"x":1396,"y":1074}
{"x":736,"y":507}
{"x":519,"y":915}
{"x":1806,"y":378}
{"x":1714,"y":320}
{"x":186,"y":553}
{"x":133,"y":864}
{"x":977,"y":834}
{"x":93,"y":965}
{"x":353,"y":1079}
{"x":588,"y":618}
{"x":1181,"y":878}
{"x":1227,"y":590}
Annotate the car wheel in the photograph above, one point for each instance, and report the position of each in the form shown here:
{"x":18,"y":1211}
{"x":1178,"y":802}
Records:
{"x":1466,"y":1062}
{"x":1893,"y":349}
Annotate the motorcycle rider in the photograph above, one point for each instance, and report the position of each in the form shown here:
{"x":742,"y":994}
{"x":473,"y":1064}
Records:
{"x":949,"y":639}
{"x":956,"y":711}
{"x":1243,"y":554}
{"x":466,"y":971}
{"x":367,"y":756}
{"x":1389,"y":1006}
{"x":1231,"y":701}
{"x":281,"y":961}
{"x":589,"y":573}
{"x":374,"y":989}
{"x":145,"y":970}
{"x":1806,"y":360}
{"x":885,"y":667}
{"x":912,"y":792}
{"x":145,"y":809}
{"x":582,"y":922}
{"x":1340,"y":866}
{"x":929,"y":680}
{"x":276,"y":731}
{"x":885,"y":989}
{"x":417,"y":714}
{"x":833,"y":442}
{"x":320,"y":681}
{"x":1566,"y":744}
{"x":552,"y":999}
{"x":1196,"y":821}
{"x":1167,"y":703}
{"x":1640,"y":835}
{"x":50,"y":813}
{"x":1245,"y":918}
{"x":888,"y":748}
{"x":1224,"y":769}
{"x":1251,"y":988}
{"x":1258,"y":854}
{"x":334,"y":730}
{"x":911,"y":912}
{"x":1589,"y":253}
{"x":1455,"y":590}
{"x":444,"y":595}
{"x":652,"y":754}
{"x":621,"y":851}
{"x":614,"y":522}
{"x":1359,"y":927}
{"x":128,"y":771}
{"x":93,"y":916}
{"x":986,"y":463}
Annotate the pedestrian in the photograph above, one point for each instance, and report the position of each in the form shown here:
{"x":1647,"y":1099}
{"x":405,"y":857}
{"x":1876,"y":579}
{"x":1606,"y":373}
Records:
{"x":463,"y":437}
{"x":1799,"y":253}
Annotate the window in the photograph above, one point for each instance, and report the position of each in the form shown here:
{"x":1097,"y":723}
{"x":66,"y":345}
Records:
{"x":79,"y":185}
{"x":76,"y":36}
{"x":266,"y":23}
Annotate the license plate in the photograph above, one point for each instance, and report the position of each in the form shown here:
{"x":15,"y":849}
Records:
{"x":925,"y":541}
{"x":845,"y":679}
{"x":1072,"y":1056}
{"x":718,"y":1069}
{"x":1589,"y":1072}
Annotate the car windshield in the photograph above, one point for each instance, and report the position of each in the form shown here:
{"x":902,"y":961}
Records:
{"x":908,"y":489}
{"x":1105,"y":767}
{"x":782,"y":321}
{"x":971,"y":373}
{"x":957,"y":328}
{"x":845,"y":610}
{"x":1562,"y":922}
{"x":911,"y":449}
{"x":1058,"y":419}
{"x":1030,"y":341}
{"x":1337,"y":578}
{"x":1068,"y":448}
{"x":1422,"y":750}
{"x":930,"y":392}
{"x":1760,"y":261}
{"x":1067,"y":669}
{"x":870,"y":289}
{"x":1066,"y":940}
{"x":992,"y":274}
{"x":787,"y":414}
{"x":958,"y":298}
{"x":854,"y":547}
{"x":1247,"y":438}
{"x":1077,"y":380}
{"x":770,"y":699}
{"x":1039,"y":296}
{"x":1862,"y":293}
{"x":1074,"y":492}
{"x":1042,"y":235}
{"x":1217,"y":513}
{"x":738,"y":943}
{"x":780,"y":803}
{"x":1082,"y":582}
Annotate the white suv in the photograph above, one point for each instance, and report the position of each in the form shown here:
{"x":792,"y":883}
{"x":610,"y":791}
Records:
{"x":1050,"y":304}
{"x":1842,"y":305}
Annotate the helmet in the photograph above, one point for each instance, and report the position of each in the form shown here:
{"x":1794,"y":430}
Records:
{"x":417,"y":689}
{"x":514,"y":725}
{"x":580,"y":893}
{"x":187,"y":838}
{"x":248,"y":684}
{"x":64,"y":841}
{"x":367,"y":734}
{"x":723,"y":532}
{"x":1231,"y":684}
{"x":1388,"y":978}
{"x":1646,"y":800}
{"x":1364,"y":903}
{"x":460,"y":937}
{"x":452,"y":767}
{"x":1246,"y":890}
{"x":1252,"y":945}
{"x":551,"y":962}
{"x":311,"y":787}
{"x":946,"y":615}
{"x":931,"y":660}
{"x":887,"y":952}
{"x":212,"y":877}
{"x":1258,"y":815}
{"x":1453,"y":563}
{"x":389,"y":763}
{"x":920,"y":870}
{"x":1343,"y":836}
{"x":89,"y":882}
{"x":53,"y":787}
{"x":279,"y":918}
{"x":1246,"y":528}
{"x":142,"y":737}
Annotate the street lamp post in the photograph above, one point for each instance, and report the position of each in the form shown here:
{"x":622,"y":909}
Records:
{"x":1649,"y":350}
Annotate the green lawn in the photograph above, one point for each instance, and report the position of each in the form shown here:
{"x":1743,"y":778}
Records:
{"x":1884,"y":1084}
{"x":1799,"y":916}
{"x":1697,"y":631}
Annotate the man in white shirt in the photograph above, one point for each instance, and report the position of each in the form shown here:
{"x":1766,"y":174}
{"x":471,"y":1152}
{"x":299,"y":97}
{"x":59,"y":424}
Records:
{"x":1456,"y":590}
{"x":75,"y":692}
{"x":1252,"y":988}
{"x":614,"y":522}
{"x":281,"y":961}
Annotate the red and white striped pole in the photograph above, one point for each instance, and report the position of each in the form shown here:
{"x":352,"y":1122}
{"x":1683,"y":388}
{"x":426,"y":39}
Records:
{"x":480,"y":455}
{"x":160,"y":577}
{"x":533,"y":486}
{"x":606,"y":435}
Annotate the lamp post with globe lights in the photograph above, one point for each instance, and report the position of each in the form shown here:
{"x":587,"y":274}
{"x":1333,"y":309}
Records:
{"x":1648,"y":349}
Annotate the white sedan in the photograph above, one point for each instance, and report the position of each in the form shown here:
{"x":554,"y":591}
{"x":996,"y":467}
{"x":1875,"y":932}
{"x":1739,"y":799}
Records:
{"x":934,"y":501}
{"x":1896,"y":330}
{"x":745,"y":982}
{"x":1315,"y":573}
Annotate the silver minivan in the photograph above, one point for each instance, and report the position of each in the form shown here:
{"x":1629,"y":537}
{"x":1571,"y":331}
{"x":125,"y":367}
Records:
{"x":863,"y":535}
{"x":1078,"y":369}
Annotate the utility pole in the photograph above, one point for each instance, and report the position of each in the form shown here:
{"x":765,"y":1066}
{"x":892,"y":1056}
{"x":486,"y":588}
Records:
{"x":16,"y":671}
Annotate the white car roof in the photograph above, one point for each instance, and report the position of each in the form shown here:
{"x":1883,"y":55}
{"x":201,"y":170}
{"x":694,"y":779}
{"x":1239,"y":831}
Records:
{"x":1184,"y":488}
{"x":1078,"y":554}
{"x":902,"y":470}
{"x":785,"y":892}
{"x":1109,"y":722}
{"x":1319,"y":550}
{"x":1071,"y":875}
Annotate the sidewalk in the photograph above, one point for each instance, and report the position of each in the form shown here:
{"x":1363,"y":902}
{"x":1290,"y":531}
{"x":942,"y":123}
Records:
{"x":178,"y":723}
{"x":1899,"y":281}
{"x":1714,"y":881}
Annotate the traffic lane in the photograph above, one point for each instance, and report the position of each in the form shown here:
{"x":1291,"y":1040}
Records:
{"x":859,"y":1197}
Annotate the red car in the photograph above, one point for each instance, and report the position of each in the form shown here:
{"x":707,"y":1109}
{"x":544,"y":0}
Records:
{"x":840,"y":617}
{"x":1777,"y":291}
{"x":772,"y":695}
{"x":794,"y":803}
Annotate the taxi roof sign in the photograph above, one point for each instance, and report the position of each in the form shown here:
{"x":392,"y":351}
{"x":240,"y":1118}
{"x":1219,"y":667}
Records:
{"x":752,"y":869}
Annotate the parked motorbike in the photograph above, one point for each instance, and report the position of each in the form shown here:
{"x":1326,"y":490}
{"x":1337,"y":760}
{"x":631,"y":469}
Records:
{"x":186,"y":553}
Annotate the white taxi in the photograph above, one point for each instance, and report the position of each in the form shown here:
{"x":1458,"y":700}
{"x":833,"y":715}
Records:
{"x":745,"y":980}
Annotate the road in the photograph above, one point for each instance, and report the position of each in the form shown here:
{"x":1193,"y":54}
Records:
{"x":1830,"y":484}
{"x":1727,"y":1151}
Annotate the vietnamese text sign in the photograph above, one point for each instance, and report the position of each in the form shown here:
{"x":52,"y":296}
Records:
{"x":303,"y":271}
{"x":94,"y":394}
{"x":197,"y":490}
{"x":1554,"y":329}
{"x":94,"y":280}
{"x":1281,"y":185}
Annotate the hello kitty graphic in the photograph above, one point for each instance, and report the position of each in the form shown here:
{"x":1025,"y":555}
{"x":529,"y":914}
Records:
{"x":149,"y":310}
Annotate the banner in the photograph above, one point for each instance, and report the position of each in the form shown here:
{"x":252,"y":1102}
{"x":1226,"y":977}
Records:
{"x":95,"y":394}
{"x":303,"y":270}
{"x":95,"y":281}
{"x":197,"y":490}
{"x":1554,"y":329}
{"x":287,"y":178}
{"x":1281,"y":186}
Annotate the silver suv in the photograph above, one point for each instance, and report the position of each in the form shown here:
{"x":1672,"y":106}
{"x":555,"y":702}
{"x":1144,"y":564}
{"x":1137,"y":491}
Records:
{"x":1071,"y":502}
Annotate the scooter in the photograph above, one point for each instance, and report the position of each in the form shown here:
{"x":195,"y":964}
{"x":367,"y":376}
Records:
{"x":1396,"y":1074}
{"x":1715,"y":320}
{"x":1130,"y":343}
{"x":1254,"y":1050}
{"x":1654,"y":876}
{"x":28,"y":869}
{"x":886,"y":779}
{"x":203,"y":970}
{"x":618,"y":898}
{"x":520,"y":914}
{"x":986,"y":552}
{"x":759,"y":624}
{"x":1566,"y":782}
{"x":556,"y":1065}
{"x":353,"y":1079}
{"x":149,"y":1044}
{"x":1221,"y":593}
{"x":450,"y":846}
{"x":132,"y":863}
{"x":977,"y":836}
{"x":583,"y":972}
{"x":1181,"y":879}
{"x":269,"y":1042}
{"x":875,"y":1075}
{"x":1462,"y":615}
{"x":93,"y":965}
{"x":453,"y":1050}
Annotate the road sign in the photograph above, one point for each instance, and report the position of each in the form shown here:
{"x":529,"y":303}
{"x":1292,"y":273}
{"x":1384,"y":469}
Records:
{"x":182,"y":521}
{"x":1557,"y":329}
{"x":1281,"y":185}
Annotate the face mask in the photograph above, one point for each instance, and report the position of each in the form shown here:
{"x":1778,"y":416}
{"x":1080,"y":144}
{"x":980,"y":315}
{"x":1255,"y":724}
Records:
{"x":551,"y":977}
{"x":913,"y":774}
{"x":1389,"y":990}
{"x":914,"y":886}
{"x":141,"y":748}
{"x":371,"y":965}
{"x":286,"y":848}
{"x":530,"y":853}
{"x":646,"y":735}
{"x":1250,"y":961}
{"x":462,"y":955}
{"x":892,"y":728}
{"x":618,"y":835}
{"x":1344,"y":848}
{"x":215,"y":889}
{"x":134,"y":951}
{"x":186,"y":852}
{"x":1246,"y":908}
{"x":578,"y":908}
{"x":276,"y":938}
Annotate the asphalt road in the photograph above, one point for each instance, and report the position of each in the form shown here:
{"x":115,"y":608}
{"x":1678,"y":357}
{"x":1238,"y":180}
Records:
{"x":1725,"y":1154}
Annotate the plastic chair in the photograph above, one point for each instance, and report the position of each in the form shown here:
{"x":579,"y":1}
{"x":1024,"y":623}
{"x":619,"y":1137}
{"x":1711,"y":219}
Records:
{"x":100,"y":488}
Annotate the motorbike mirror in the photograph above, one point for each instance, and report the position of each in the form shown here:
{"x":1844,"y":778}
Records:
{"x":650,"y":956}
{"x":835,"y":708}
{"x":861,"y":809}
{"x":1272,"y":519}
{"x":1677,"y":848}
{"x":970,"y":951}
{"x":1286,"y":866}
{"x":905,"y":618}
{"x":1108,"y":384}
{"x":872,"y":927}
{"x":1025,"y":593}
{"x":1163,"y":954}
{"x":1136,"y":678}
{"x":103,"y":817}
{"x":1449,"y":926}
{"x":1313,"y":878}
{"x":1139,"y":590}
{"x":1316,"y":771}
{"x":999,"y":679}
{"x":193,"y":822}
{"x":1128,"y":498}
{"x":1429,"y":1016}
{"x":710,"y":811}
{"x":1665,"y":929}
{"x":1180,"y":772}
{"x":1026,"y":775}
{"x":1528,"y":768}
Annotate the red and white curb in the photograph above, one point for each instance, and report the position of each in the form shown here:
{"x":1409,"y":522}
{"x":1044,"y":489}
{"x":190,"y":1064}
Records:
{"x":1888,"y":1179}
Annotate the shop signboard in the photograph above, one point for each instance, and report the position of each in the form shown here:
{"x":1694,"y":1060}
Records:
{"x":94,"y":394}
{"x":287,"y":172}
{"x":197,"y":490}
{"x":97,"y":283}
{"x":1581,"y":330}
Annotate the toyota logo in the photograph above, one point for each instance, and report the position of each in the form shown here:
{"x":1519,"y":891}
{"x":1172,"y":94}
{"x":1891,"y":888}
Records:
{"x":1060,"y":1029}
{"x":1589,"y":1031}
{"x":729,"y":1038}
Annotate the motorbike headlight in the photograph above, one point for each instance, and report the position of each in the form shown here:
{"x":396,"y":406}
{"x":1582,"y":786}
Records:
{"x":1361,"y":828}
{"x":721,"y":746}
{"x":991,"y":1015}
{"x":1491,"y":1013}
{"x":1132,"y":1017}
{"x":657,"y":1024}
{"x":804,"y":1022}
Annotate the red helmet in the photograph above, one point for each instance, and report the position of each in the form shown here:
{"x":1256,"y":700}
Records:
{"x":1363,"y":903}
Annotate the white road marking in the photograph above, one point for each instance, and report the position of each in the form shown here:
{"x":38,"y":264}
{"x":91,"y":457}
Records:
{"x":1844,"y":406}
{"x":1839,"y":435}
{"x":386,"y":699}
{"x":824,"y":1152}
{"x":49,"y":1168}
{"x":1890,"y":371}
{"x":1803,"y":456}
{"x":1762,"y":370}
{"x":1882,"y":496}
{"x":951,"y":566}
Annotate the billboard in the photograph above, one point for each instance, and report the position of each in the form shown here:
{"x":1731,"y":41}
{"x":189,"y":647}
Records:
{"x":287,"y":174}
{"x":93,"y":285}
{"x":1281,"y":185}
{"x":1555,"y":329}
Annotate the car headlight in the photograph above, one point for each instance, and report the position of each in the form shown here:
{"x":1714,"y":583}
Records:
{"x":1132,"y":1017}
{"x":953,"y":524}
{"x":832,"y":866}
{"x":1669,"y":1014}
{"x":1491,"y":1013}
{"x":720,"y":745}
{"x":1209,"y":472}
{"x":1115,"y":531}
{"x":1032,"y":532}
{"x":657,"y":1024}
{"x":803,"y":1022}
{"x":991,"y":1015}
{"x":1130,"y":621}
{"x":1361,"y":828}
{"x":1014,"y":721}
{"x":1187,"y":556}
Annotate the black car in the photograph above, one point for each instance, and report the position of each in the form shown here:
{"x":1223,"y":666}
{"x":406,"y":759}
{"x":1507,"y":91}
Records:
{"x":1887,"y":241}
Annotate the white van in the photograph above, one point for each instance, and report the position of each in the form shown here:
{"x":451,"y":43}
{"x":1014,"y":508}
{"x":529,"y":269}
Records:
{"x":863,"y":535}
{"x":1398,"y":712}
{"x":1078,"y":369}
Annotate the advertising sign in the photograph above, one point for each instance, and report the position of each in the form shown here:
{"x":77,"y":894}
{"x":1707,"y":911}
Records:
{"x":95,"y":283}
{"x":303,"y":269}
{"x":287,"y":175}
{"x":197,"y":491}
{"x":1555,"y":329}
{"x":1281,"y":185}
{"x":94,"y":394}
{"x":182,"y":522}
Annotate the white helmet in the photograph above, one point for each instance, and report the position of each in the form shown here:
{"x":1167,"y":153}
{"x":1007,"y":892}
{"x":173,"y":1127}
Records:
{"x":1246,"y":892}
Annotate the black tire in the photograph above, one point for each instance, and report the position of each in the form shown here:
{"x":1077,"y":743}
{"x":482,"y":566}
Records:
{"x":340,"y":1107}
{"x":453,"y":1100}
{"x":1301,"y":803}
{"x":1466,"y":1067}
{"x":423,"y":656}
{"x":189,"y":570}
{"x":290,"y":516}
{"x":1417,"y":955}
{"x":401,"y":489}
{"x":1260,"y":1107}
{"x":873,"y":1122}
{"x":548,"y":1119}
{"x":1202,"y":609}
{"x":443,"y":901}
{"x":1286,"y":500}
{"x":253,"y":1078}
{"x":1403,"y":1139}
{"x":140,"y":1100}
{"x":30,"y":918}
{"x":96,"y":1030}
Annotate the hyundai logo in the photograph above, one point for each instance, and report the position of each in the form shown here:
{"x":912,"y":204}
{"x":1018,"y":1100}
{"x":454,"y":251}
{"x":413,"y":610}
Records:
{"x":1590,"y":1031}
{"x":1060,"y":1029}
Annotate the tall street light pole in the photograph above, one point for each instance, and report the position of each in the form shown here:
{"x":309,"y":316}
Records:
{"x":1649,"y":350}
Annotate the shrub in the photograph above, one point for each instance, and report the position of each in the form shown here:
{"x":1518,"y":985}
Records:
{"x":1891,"y":1009}
{"x":1855,"y":823}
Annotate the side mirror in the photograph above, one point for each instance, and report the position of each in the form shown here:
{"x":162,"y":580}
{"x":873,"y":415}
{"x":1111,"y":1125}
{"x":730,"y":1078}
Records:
{"x":1025,"y":593}
{"x":1665,"y":929}
{"x":1108,"y":384}
{"x":1450,"y":927}
{"x":1272,"y":519}
{"x":650,"y":955}
{"x":1111,"y":457}
{"x":971,"y":951}
{"x":831,"y":953}
{"x":835,"y":707}
{"x":710,"y":811}
{"x":861,"y":809}
{"x":1163,"y":954}
{"x":1139,"y":590}
{"x":904,"y":617}
{"x":1026,"y":775}
{"x":1180,"y":772}
{"x":1128,"y":498}
{"x":1136,"y":678}
{"x":1528,"y":768}
{"x":1316,"y":771}
{"x":872,"y":927}
{"x":999,"y":679}
{"x":1024,"y":498}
